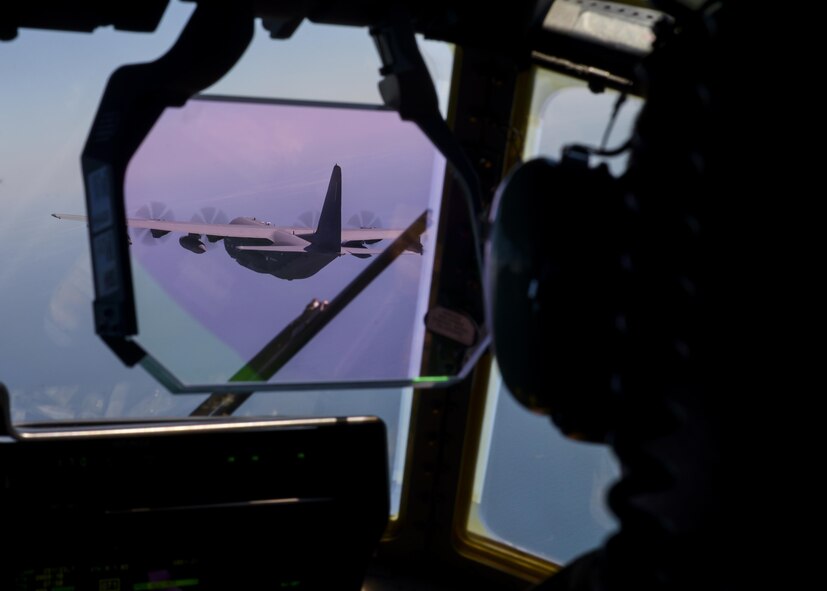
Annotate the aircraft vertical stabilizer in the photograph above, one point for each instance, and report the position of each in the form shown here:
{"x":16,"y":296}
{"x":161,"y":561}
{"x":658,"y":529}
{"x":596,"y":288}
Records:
{"x":328,"y":234}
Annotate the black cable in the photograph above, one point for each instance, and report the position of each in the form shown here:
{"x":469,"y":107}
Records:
{"x":621,"y":99}
{"x":606,"y":153}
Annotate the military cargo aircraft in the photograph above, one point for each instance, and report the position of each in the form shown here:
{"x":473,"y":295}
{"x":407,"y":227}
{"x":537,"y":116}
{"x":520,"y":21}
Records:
{"x":286,"y":252}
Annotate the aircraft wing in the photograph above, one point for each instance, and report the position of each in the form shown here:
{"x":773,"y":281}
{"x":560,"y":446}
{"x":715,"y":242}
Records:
{"x":70,"y":216}
{"x":365,"y":234}
{"x":370,"y":235}
{"x":273,"y":248}
{"x":245,"y":231}
{"x":355,"y":250}
{"x":276,"y":248}
{"x":220,"y":230}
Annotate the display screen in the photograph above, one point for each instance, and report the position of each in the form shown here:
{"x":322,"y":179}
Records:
{"x":198,"y":504}
{"x":177,"y":574}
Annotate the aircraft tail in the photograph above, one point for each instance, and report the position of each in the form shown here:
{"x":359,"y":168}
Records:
{"x":328,"y":235}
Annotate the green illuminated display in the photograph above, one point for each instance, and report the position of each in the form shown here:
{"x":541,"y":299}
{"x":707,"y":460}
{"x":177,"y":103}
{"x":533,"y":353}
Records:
{"x":422,"y":379}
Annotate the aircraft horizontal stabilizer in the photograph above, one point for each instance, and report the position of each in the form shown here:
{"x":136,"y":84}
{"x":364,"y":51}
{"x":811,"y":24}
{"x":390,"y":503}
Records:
{"x":359,"y":250}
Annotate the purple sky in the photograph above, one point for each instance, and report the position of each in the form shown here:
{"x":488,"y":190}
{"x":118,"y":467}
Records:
{"x":273,"y":162}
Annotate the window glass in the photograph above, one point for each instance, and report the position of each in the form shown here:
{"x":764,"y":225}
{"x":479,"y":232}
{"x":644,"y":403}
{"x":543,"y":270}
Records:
{"x":535,"y":490}
{"x":565,"y":111}
{"x":242,"y":212}
{"x":54,"y":365}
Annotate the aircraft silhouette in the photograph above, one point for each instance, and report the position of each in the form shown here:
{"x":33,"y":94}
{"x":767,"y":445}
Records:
{"x":286,"y":252}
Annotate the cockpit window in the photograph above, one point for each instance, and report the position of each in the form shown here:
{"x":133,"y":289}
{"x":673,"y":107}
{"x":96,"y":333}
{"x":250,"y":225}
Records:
{"x":534,"y":490}
{"x":50,"y":359}
{"x":337,"y":183}
{"x":54,"y":365}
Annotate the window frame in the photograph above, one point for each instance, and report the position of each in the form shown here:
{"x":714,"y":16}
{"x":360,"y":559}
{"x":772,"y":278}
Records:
{"x":487,"y":551}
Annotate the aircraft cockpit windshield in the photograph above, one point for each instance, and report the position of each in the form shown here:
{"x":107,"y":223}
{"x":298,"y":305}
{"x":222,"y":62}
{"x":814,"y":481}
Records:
{"x":288,"y":178}
{"x":323,"y":300}
{"x":246,"y":217}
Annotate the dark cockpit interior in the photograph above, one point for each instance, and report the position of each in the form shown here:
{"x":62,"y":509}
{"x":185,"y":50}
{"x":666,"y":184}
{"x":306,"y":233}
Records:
{"x":374,"y":296}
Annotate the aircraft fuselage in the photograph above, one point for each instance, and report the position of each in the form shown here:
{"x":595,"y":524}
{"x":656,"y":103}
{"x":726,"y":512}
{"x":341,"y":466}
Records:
{"x":284,"y":265}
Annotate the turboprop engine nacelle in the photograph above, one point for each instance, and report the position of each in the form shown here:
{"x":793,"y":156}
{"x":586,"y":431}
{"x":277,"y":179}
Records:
{"x":192,"y":242}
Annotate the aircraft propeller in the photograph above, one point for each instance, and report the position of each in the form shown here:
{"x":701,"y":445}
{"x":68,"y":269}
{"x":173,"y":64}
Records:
{"x":211,"y":215}
{"x":365,"y":220}
{"x":309,"y":219}
{"x":152,"y":211}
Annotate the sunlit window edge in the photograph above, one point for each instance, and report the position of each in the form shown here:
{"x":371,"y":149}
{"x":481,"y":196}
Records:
{"x":481,"y":548}
{"x":409,"y":403}
{"x":474,"y":541}
{"x":478,"y":547}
